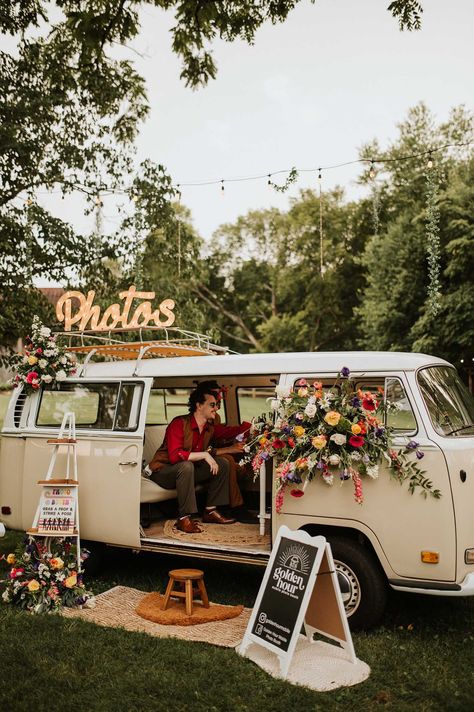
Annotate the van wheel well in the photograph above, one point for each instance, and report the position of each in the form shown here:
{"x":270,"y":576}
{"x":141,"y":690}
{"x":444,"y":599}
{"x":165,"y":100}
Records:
{"x":362,"y":581}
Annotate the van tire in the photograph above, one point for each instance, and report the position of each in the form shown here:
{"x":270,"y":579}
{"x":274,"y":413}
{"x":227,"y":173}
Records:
{"x":362,"y":582}
{"x":94,"y":563}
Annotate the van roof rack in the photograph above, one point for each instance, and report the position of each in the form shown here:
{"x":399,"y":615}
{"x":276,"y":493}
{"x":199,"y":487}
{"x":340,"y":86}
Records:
{"x":172,"y":342}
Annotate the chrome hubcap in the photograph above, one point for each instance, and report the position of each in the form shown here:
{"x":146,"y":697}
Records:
{"x":350,"y":587}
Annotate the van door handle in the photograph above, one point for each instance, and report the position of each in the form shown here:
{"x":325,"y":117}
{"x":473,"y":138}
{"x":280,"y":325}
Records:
{"x":132,"y":463}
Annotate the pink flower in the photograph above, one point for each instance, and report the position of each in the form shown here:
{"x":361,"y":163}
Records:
{"x":39,"y":350}
{"x":31,"y":376}
{"x":279,"y":500}
{"x":356,"y":441}
{"x":302,"y":382}
{"x":358,"y":494}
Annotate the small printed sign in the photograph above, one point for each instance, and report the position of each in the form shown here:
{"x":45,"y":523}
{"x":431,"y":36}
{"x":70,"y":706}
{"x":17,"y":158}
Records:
{"x":57,"y":511}
{"x":284,"y":592}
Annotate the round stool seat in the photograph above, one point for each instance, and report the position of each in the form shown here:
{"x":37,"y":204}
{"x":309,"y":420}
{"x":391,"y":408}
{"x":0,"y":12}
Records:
{"x":186,"y":577}
{"x":183,"y":574}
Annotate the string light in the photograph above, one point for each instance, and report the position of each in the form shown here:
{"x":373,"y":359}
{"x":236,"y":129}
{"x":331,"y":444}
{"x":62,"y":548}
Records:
{"x":320,"y":175}
{"x":372,"y":171}
{"x":430,"y":161}
{"x":269,"y":181}
{"x":222,"y":187}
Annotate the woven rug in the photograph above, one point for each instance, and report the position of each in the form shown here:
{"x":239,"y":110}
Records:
{"x":229,"y":535}
{"x":116,"y":608}
{"x":319,"y":665}
{"x":175,"y":614}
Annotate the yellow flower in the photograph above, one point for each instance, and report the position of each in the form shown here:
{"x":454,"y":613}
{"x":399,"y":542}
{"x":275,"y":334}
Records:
{"x":319,"y":441}
{"x":33,"y":585}
{"x":299,"y":430}
{"x":11,"y":558}
{"x":332,"y":418}
{"x":302,"y":392}
{"x":32,"y":360}
{"x":71,"y":581}
{"x":356,"y":429}
{"x":57,"y":563}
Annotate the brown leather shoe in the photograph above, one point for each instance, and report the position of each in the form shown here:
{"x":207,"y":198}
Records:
{"x":188,"y":526}
{"x":215,"y":517}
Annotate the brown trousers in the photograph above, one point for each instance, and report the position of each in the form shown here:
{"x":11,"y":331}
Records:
{"x":235,"y":495}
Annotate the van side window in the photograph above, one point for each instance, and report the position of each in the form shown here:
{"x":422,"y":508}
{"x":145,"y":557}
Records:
{"x":166,"y":403}
{"x":253,"y":401}
{"x":400,"y":416}
{"x":97,"y":406}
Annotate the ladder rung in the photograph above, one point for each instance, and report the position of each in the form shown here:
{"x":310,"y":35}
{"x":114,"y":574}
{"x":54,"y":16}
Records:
{"x":70,"y":483}
{"x":62,"y":441}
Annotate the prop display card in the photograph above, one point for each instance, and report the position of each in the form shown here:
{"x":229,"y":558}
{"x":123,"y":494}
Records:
{"x":57,"y":511}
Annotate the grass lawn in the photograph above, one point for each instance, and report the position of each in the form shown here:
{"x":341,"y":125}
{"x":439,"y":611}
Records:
{"x":421,"y":659}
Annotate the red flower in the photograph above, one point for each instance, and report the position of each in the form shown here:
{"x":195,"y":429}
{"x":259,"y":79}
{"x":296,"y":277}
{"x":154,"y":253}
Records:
{"x":32,"y":376}
{"x":291,"y":442}
{"x":369,"y":404}
{"x":39,"y":350}
{"x":356,"y":441}
{"x":296,"y":493}
{"x":278,"y":444}
{"x":362,"y":427}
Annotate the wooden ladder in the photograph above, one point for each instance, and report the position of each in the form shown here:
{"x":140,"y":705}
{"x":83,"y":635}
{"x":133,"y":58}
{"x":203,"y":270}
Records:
{"x":57,"y":514}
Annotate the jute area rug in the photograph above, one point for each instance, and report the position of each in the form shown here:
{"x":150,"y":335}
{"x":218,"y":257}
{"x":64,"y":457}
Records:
{"x":150,"y":607}
{"x":116,"y":608}
{"x":319,"y":665}
{"x":237,"y":534}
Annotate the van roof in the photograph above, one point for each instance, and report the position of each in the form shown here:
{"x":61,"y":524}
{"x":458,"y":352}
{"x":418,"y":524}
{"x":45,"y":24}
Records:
{"x":240,"y":364}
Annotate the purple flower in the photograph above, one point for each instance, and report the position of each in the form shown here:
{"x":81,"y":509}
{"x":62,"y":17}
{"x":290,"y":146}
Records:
{"x":420,"y":455}
{"x":264,"y":455}
{"x":355,"y":402}
{"x":366,"y":459}
{"x":344,"y":475}
{"x":345,"y":372}
{"x":299,"y":416}
{"x":287,"y":430}
{"x":412,"y":445}
{"x":320,"y":465}
{"x":378,"y":432}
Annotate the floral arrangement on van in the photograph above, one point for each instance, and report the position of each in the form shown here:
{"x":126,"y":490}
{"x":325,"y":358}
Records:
{"x":43,"y":360}
{"x":42,"y":580}
{"x":336,"y":434}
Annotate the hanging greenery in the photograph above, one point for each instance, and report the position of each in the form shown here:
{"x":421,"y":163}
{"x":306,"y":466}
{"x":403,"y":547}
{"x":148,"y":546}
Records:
{"x":292,"y":177}
{"x":432,"y":237}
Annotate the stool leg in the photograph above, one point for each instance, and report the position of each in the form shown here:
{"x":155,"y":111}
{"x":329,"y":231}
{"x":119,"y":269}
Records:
{"x":189,"y":597}
{"x":203,"y":592}
{"x":166,"y":599}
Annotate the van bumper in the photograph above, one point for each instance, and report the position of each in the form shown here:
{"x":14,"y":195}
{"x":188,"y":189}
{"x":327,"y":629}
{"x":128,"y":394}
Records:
{"x":465,"y":588}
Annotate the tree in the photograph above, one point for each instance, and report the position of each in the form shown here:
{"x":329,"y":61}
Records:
{"x":395,"y":311}
{"x":69,"y":112}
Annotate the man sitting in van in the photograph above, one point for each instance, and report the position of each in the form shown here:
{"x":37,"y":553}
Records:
{"x":187,"y":457}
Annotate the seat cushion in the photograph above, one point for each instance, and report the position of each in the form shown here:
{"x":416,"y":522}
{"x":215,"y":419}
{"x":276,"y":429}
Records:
{"x":151,"y":492}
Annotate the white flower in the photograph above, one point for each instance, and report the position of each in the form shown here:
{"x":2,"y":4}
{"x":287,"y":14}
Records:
{"x":373,"y":471}
{"x":6,"y":597}
{"x":334,"y":460}
{"x":61,"y":375}
{"x":338,"y":438}
{"x":326,"y":402}
{"x":45,"y":331}
{"x":25,"y":359}
{"x":42,"y":363}
{"x":274,"y":404}
{"x":310,"y":410}
{"x":282,"y":391}
{"x":46,"y":378}
{"x":90,"y":603}
{"x":311,"y":399}
{"x":329,"y":479}
{"x":49,"y":352}
{"x":356,"y":456}
{"x":63,"y":360}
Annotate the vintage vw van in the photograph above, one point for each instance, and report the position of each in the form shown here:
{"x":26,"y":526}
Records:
{"x":394,"y":539}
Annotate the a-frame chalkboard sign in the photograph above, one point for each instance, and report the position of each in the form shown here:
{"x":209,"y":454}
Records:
{"x":300,"y":588}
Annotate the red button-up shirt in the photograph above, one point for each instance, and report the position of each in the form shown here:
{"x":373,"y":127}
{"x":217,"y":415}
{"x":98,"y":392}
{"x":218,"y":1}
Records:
{"x":174,"y":437}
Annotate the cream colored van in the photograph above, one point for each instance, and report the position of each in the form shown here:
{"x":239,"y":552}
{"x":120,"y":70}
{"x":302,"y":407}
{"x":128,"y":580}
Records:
{"x":394,"y":539}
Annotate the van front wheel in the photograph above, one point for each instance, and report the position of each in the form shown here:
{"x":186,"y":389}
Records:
{"x":363,"y":586}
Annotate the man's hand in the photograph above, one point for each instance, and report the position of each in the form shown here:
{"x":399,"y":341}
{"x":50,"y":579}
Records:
{"x":213,"y":466}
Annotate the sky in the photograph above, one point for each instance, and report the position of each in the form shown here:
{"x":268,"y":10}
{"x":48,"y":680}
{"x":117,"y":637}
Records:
{"x":310,"y":92}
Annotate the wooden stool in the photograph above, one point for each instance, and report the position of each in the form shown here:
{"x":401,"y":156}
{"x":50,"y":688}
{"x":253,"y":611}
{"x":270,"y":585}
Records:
{"x":186,"y":577}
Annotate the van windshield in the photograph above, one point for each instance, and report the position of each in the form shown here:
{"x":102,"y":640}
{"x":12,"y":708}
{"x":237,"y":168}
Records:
{"x":449,"y":403}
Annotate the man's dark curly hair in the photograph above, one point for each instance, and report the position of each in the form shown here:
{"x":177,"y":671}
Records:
{"x":206,"y":388}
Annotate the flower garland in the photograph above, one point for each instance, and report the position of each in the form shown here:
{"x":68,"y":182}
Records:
{"x":42,"y":581}
{"x":335,"y":434}
{"x":43,"y":360}
{"x":433,"y":247}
